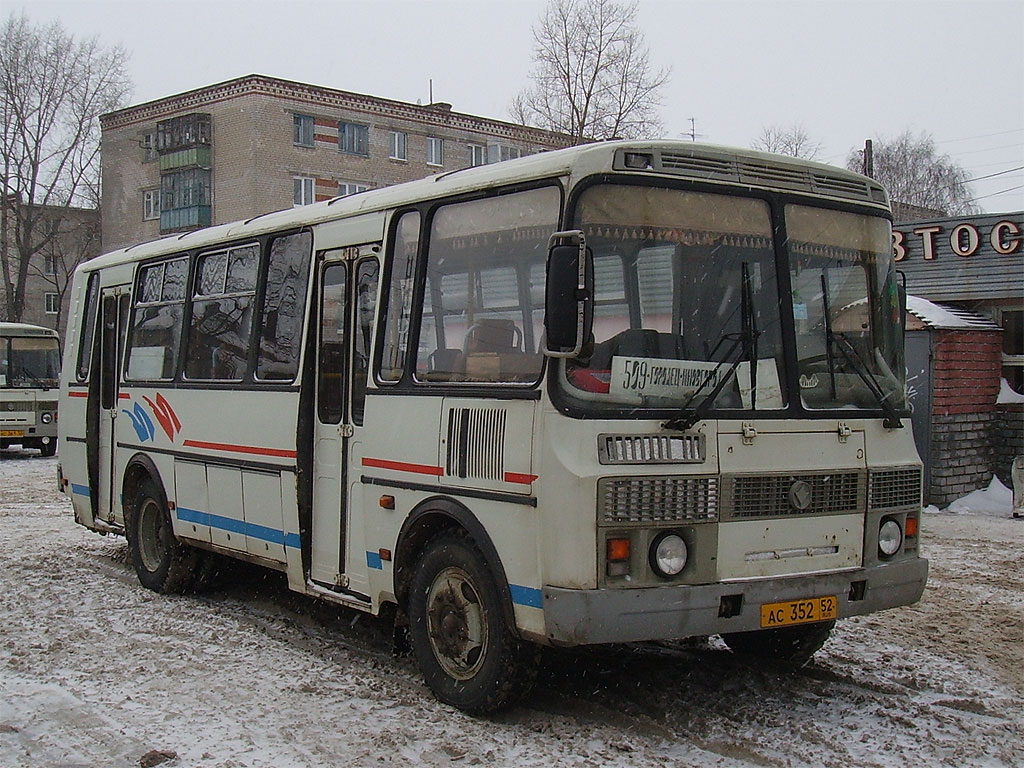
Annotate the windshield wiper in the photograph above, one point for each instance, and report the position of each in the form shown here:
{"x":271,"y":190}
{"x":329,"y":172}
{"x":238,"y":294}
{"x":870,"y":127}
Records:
{"x":856,"y":362}
{"x":748,"y":338}
{"x":35,"y":379}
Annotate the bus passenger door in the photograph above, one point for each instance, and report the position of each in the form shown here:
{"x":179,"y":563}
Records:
{"x":114,"y":315}
{"x":348,"y":300}
{"x":330,"y":425}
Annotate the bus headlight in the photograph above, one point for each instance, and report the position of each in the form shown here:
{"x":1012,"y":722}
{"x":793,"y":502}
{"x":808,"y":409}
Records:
{"x":890,"y":537}
{"x":46,"y":418}
{"x":668,"y":555}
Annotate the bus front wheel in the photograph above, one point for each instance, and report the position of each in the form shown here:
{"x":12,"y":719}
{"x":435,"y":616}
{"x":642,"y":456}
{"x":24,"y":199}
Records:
{"x":460,"y":637}
{"x":793,"y":644}
{"x":163,"y":564}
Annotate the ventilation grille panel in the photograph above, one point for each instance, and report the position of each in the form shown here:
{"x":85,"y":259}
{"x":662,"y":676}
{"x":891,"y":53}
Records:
{"x":657,"y":499}
{"x":897,"y":487}
{"x":768,"y":495}
{"x":476,"y":443}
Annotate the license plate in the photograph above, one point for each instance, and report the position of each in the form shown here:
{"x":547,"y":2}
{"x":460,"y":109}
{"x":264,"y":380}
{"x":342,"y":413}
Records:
{"x":799,"y":611}
{"x":12,"y":433}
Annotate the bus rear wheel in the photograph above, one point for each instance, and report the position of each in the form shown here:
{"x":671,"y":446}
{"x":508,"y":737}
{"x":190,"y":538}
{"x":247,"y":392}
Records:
{"x":795,"y":644}
{"x":162,"y":563}
{"x":460,"y":636}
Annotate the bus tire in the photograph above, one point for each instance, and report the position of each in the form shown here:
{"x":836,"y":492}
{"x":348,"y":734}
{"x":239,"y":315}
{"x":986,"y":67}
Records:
{"x":162,"y":563}
{"x":48,"y":449}
{"x":460,"y":636}
{"x":791,"y":644}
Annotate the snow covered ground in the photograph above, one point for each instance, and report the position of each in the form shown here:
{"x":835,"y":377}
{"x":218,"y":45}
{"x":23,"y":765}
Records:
{"x":97,"y":671}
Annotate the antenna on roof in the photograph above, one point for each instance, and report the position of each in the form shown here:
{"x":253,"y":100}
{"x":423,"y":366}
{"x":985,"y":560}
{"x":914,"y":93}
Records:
{"x":431,"y":91}
{"x":693,"y":130}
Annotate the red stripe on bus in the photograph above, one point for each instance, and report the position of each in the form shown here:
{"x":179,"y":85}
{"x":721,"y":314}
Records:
{"x":241,"y":449}
{"x":74,"y":393}
{"x":123,"y":396}
{"x":401,"y":466}
{"x":519,"y":477}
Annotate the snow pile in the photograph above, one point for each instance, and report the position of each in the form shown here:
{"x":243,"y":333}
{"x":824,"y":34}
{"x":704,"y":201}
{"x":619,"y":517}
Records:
{"x":996,"y":500}
{"x":1007,"y":394}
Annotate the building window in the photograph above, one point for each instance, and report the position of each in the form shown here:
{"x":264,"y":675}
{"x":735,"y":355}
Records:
{"x":49,"y":264}
{"x":1013,"y":349}
{"x":184,"y":131}
{"x":500,"y":152}
{"x":149,"y":147}
{"x":435,"y":151}
{"x":398,"y":142}
{"x":477,"y":155}
{"x":350,"y":188}
{"x":52,"y":303}
{"x":302,"y":130}
{"x":304,"y":186}
{"x":354,"y":138}
{"x":151,"y":204}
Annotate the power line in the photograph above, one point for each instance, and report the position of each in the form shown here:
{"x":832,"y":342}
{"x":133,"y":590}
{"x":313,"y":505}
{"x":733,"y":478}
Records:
{"x":982,"y":136}
{"x":987,"y":149}
{"x":993,"y":175}
{"x":993,"y":194}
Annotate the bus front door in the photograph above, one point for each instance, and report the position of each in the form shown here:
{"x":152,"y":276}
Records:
{"x":114,"y":317}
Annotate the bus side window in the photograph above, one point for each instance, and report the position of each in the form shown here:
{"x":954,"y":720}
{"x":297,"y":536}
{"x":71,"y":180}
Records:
{"x":92,"y":293}
{"x":399,"y":306}
{"x":367,"y":277}
{"x":284,"y":307}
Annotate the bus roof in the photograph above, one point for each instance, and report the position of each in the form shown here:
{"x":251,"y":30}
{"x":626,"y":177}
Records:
{"x":674,"y":157}
{"x":25,"y":329}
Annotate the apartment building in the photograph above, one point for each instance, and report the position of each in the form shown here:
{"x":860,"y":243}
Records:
{"x":257,"y":144}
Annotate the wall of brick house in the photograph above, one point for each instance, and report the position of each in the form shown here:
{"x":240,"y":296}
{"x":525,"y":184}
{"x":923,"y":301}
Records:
{"x":1007,"y":439}
{"x":965,"y":384}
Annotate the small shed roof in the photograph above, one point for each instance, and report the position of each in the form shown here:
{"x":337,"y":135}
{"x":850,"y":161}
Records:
{"x":946,"y":317}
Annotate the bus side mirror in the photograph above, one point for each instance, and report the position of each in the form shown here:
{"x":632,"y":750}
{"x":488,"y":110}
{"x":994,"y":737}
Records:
{"x":569,"y":295}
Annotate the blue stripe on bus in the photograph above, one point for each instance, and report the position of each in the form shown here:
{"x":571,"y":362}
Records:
{"x":373,"y":561}
{"x":233,"y":525}
{"x":527,"y":596}
{"x":81,"y":490}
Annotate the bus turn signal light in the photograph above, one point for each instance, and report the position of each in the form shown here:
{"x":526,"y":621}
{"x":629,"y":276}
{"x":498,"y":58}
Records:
{"x":618,"y":550}
{"x":910,"y":527}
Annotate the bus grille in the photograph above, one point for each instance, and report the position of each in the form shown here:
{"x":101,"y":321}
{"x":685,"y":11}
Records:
{"x":657,"y":499}
{"x":896,"y":487}
{"x":768,"y":495}
{"x":650,"y":449}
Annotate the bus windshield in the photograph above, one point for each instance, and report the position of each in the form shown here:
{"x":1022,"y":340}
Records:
{"x":687,"y":305}
{"x":29,"y":362}
{"x":846,"y":310}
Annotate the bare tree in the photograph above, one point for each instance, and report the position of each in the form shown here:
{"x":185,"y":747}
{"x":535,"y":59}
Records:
{"x":792,"y":141}
{"x":52,"y":91}
{"x":915,"y":174}
{"x":592,"y":77}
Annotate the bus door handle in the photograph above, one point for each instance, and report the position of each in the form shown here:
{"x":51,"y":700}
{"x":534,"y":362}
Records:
{"x":346,"y":430}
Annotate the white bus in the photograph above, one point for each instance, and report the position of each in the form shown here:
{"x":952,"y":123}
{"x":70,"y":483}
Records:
{"x":627,"y":391}
{"x":29,"y":381}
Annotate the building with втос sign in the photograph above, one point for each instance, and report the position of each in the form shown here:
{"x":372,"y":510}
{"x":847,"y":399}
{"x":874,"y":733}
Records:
{"x":965,"y":346}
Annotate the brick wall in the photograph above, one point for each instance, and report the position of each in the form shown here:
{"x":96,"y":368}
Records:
{"x":1008,"y":439}
{"x":965,"y":384}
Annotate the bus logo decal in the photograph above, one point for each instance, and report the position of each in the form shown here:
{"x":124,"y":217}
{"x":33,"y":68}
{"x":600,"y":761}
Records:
{"x":165,"y":415}
{"x":140,"y":420}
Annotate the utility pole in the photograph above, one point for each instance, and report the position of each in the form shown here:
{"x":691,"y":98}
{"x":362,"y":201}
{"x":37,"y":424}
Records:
{"x":869,"y":159}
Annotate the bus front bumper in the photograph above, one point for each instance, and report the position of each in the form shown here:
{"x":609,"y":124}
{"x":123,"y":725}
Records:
{"x":582,"y":617}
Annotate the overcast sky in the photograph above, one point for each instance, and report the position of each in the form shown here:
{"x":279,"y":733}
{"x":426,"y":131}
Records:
{"x":843,"y":70}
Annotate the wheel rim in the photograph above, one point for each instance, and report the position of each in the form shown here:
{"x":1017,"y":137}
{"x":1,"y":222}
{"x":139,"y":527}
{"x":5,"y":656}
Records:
{"x":152,"y":529}
{"x":456,"y":624}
